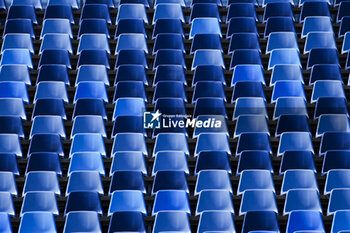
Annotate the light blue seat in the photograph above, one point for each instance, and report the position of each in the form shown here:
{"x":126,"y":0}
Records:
{"x":18,"y":73}
{"x":128,"y":200}
{"x":5,"y":225}
{"x":220,"y":125}
{"x":337,"y":179}
{"x":51,"y":90}
{"x":76,"y":221}
{"x":88,"y":142}
{"x":171,"y":200}
{"x":34,"y":3}
{"x":265,"y":2}
{"x":327,"y":88}
{"x":9,"y":143}
{"x":170,"y":161}
{"x":212,"y":141}
{"x":305,"y":221}
{"x":254,"y":160}
{"x":91,"y":90}
{"x":339,"y":200}
{"x":171,"y":142}
{"x":88,"y":124}
{"x":47,"y":125}
{"x":168,"y":11}
{"x":332,"y":123}
{"x":171,"y":221}
{"x":214,"y":200}
{"x":216,"y":221}
{"x":255,"y":179}
{"x":209,"y":160}
{"x":251,"y":124}
{"x":86,"y":161}
{"x":213,"y":180}
{"x":284,"y":56}
{"x":341,"y":221}
{"x":301,"y":2}
{"x":279,"y":24}
{"x":286,"y":73}
{"x":258,"y":200}
{"x":14,"y":90}
{"x":129,"y":142}
{"x":17,"y":41}
{"x":56,"y":41}
{"x":248,"y":73}
{"x":169,"y":89}
{"x":6,"y":205}
{"x":290,"y":105}
{"x":17,"y":56}
{"x":129,"y":107}
{"x":346,"y":43}
{"x":249,"y":106}
{"x":93,"y":42}
{"x":8,"y":184}
{"x":208,"y":89}
{"x":290,"y":88}
{"x":299,"y":179}
{"x":39,"y":202}
{"x":37,"y":222}
{"x":70,"y":3}
{"x":56,"y":26}
{"x":128,"y":161}
{"x":281,"y":40}
{"x":302,"y":199}
{"x":253,"y":141}
{"x":42,"y":181}
{"x":316,"y":24}
{"x":334,"y":141}
{"x":295,"y":141}
{"x":205,"y":26}
{"x":94,"y":73}
{"x":131,"y":41}
{"x":319,"y":40}
{"x":132,"y":11}
{"x":84,"y":181}
{"x":204,"y":57}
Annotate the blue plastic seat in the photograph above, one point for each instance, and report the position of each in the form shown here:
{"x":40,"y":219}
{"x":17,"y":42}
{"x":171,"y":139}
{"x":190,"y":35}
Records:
{"x":212,"y":160}
{"x":213,"y":180}
{"x":181,"y":2}
{"x":11,"y":125}
{"x":330,"y":105}
{"x":34,"y":3}
{"x":245,"y":57}
{"x":290,"y":88}
{"x":5,"y":223}
{"x":254,"y":160}
{"x":347,"y":65}
{"x":284,"y":57}
{"x":253,"y":141}
{"x":49,"y":107}
{"x":88,"y":124}
{"x":302,"y":199}
{"x":39,"y":202}
{"x":95,"y":11}
{"x":76,"y":221}
{"x":334,"y":141}
{"x":343,"y":10}
{"x":53,"y":73}
{"x":8,"y":163}
{"x":127,"y":180}
{"x":237,"y":10}
{"x":129,"y":107}
{"x":170,"y":161}
{"x":204,"y":10}
{"x":44,"y":161}
{"x":127,"y":222}
{"x":249,"y":106}
{"x":255,"y":179}
{"x":295,"y":141}
{"x":88,"y":142}
{"x":310,"y":9}
{"x":86,"y":161}
{"x":144,"y":2}
{"x":217,"y":2}
{"x":19,"y":26}
{"x":279,"y":24}
{"x":281,"y":40}
{"x":208,"y":89}
{"x":248,"y":89}
{"x":130,"y":26}
{"x":132,"y":11}
{"x":167,"y":73}
{"x":93,"y":57}
{"x":286,"y":73}
{"x":167,"y":26}
{"x":208,"y":57}
{"x":335,"y":160}
{"x":243,"y":41}
{"x":17,"y":41}
{"x":84,"y":181}
{"x":93,"y":26}
{"x":48,"y":125}
{"x":171,"y":200}
{"x":168,"y":41}
{"x":90,"y":107}
{"x":91,"y":90}
{"x":171,"y":106}
{"x":46,"y":143}
{"x":14,"y":90}
{"x":214,"y":200}
{"x":332,"y":123}
{"x":169,"y":89}
{"x":129,"y":142}
{"x":17,"y":56}
{"x":56,"y":41}
{"x":109,"y":3}
{"x":258,"y":200}
{"x":260,"y":221}
{"x":346,"y":43}
{"x":171,"y":142}
{"x":130,"y":89}
{"x":241,"y":25}
{"x":131,"y":57}
{"x":278,"y":9}
{"x":219,"y":125}
{"x":131,"y":73}
{"x":316,"y":24}
{"x":336,"y":179}
{"x":168,"y":11}
{"x":292,"y":123}
{"x":319,"y":40}
{"x":169,"y":57}
{"x":17,"y":73}
{"x":171,"y":221}
{"x":83,"y":201}
{"x":42,"y":181}
{"x":251,"y":124}
{"x":51,"y":90}
{"x":170,"y":180}
{"x":128,"y":124}
{"x":325,"y":72}
{"x":205,"y":26}
{"x":212,"y":141}
{"x":216,"y":221}
{"x":56,"y":26}
{"x":37,"y":222}
{"x":55,"y":57}
{"x":341,"y":221}
{"x":131,"y":42}
{"x":298,"y":179}
{"x":59,"y":12}
{"x":206,"y":41}
{"x":72,"y":4}
{"x":22,"y":12}
{"x":93,"y":42}
{"x":95,"y":73}
{"x":8,"y":186}
{"x":208,"y":73}
{"x":128,"y":200}
{"x":128,"y":161}
{"x":339,"y":200}
{"x":9,"y":143}
{"x":305,"y":221}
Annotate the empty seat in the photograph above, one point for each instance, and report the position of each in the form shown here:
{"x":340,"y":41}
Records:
{"x":249,"y":106}
{"x":129,"y":107}
{"x":22,"y":12}
{"x":72,"y":4}
{"x":295,"y":141}
{"x":171,"y":200}
{"x":88,"y":142}
{"x":325,"y":72}
{"x":319,"y":40}
{"x":170,"y":180}
{"x":131,"y":89}
{"x":334,"y":141}
{"x":167,"y":26}
{"x":255,"y":179}
{"x":46,"y":143}
{"x":214,"y":200}
{"x":128,"y":200}
{"x":17,"y":56}
{"x":336,"y":179}
{"x":253,"y":141}
{"x":330,"y":105}
{"x":171,"y":106}
{"x":170,"y":161}
{"x":236,"y":10}
{"x":11,"y":125}
{"x":260,"y":221}
{"x":241,"y":25}
{"x":309,"y":9}
{"x":83,"y":201}
{"x":335,"y":159}
{"x":130,"y":26}
{"x":171,"y":142}
{"x":91,"y":90}
{"x":93,"y":57}
{"x":14,"y":90}
{"x":281,"y":40}
{"x":279,"y":24}
{"x":8,"y":163}
{"x":254,"y":160}
{"x":95,"y":11}
{"x":168,"y":11}
{"x":51,"y":90}
{"x":212,"y":141}
{"x":131,"y":73}
{"x":216,"y":221}
{"x":206,"y":41}
{"x":127,"y":221}
{"x":248,"y":89}
{"x":87,"y":73}
{"x":59,"y":12}
{"x":37,"y":222}
{"x":130,"y":161}
{"x":332,"y":123}
{"x":343,"y":10}
{"x":76,"y":221}
{"x":44,"y":161}
{"x":56,"y":26}
{"x":131,"y":57}
{"x":213,"y":180}
{"x":109,"y":3}
{"x":292,"y":123}
{"x":181,"y":2}
{"x":212,"y":160}
{"x":316,"y":24}
{"x":130,"y":42}
{"x":169,"y":57}
{"x":208,"y":89}
{"x":90,"y":107}
{"x":34,"y":3}
{"x":49,"y":107}
{"x":327,"y":88}
{"x":53,"y":72}
{"x":168,"y":73}
{"x":243,"y":41}
{"x":132,"y":11}
{"x":171,"y":221}
{"x":258,"y":200}
{"x":290,"y":88}
{"x":245,"y":57}
{"x":55,"y":56}
{"x":9,"y":143}
{"x":5,"y":222}
{"x":127,"y":180}
{"x":169,"y":89}
{"x":251,"y":124}
{"x":298,"y":179}
{"x":19,"y":26}
{"x":93,"y":42}
{"x":42,"y":181}
{"x":205,"y":10}
{"x":302,"y":199}
{"x":88,"y":124}
{"x":18,"y":73}
{"x":39,"y":202}
{"x":341,"y":221}
{"x":128,"y":124}
{"x":208,"y":57}
{"x":8,"y":186}
{"x":305,"y":221}
{"x":344,"y":26}
{"x":217,"y":2}
{"x":93,"y":26}
{"x":17,"y":41}
{"x":208,"y":73}
{"x":86,"y":161}
{"x":339,"y":200}
{"x":126,"y":142}
{"x":205,"y":26}
{"x":278,"y":9}
{"x":56,"y":41}
{"x":218,"y":125}
{"x":284,"y":57}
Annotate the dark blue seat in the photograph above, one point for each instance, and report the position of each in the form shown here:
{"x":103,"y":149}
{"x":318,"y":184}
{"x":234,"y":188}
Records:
{"x":22,"y":12}
{"x":343,"y":10}
{"x":127,"y":180}
{"x":322,"y":56}
{"x":169,"y":180}
{"x":109,"y":3}
{"x":292,"y":123}
{"x":260,"y":221}
{"x":330,"y":105}
{"x":128,"y":124}
{"x":130,"y":26}
{"x":84,"y":181}
{"x":341,"y":221}
{"x":90,"y":107}
{"x":88,"y":26}
{"x":55,"y":57}
{"x":39,"y":202}
{"x":339,"y":200}
{"x":11,"y":125}
{"x":131,"y":73}
{"x":245,"y":57}
{"x":8,"y":163}
{"x":206,"y":41}
{"x":286,"y":72}
{"x":167,"y":26}
{"x":205,"y":10}
{"x":131,"y":57}
{"x":241,"y":25}
{"x":144,"y":2}
{"x":59,"y":12}
{"x":93,"y":57}
{"x":76,"y":221}
{"x":19,"y":26}
{"x":251,"y":124}
{"x":95,"y":11}
{"x":18,"y":73}
{"x":44,"y":161}
{"x":217,"y":2}
{"x":170,"y":106}
{"x":249,"y":106}
{"x":49,"y":107}
{"x":278,"y":9}
{"x":293,"y":160}
{"x":127,"y":221}
{"x":325,"y":72}
{"x":128,"y":89}
{"x":83,"y":201}
{"x":169,"y":57}
{"x":37,"y":222}
{"x":169,"y":73}
{"x":279,"y":24}
{"x":237,"y":10}
{"x":46,"y":143}
{"x":254,"y":159}
{"x":216,"y":221}
{"x":168,"y":41}
{"x":208,"y":89}
{"x":243,"y":41}
{"x":171,"y":220}
{"x":247,"y":89}
{"x":209,"y":106}
{"x":72,"y":4}
{"x":334,"y":141}
{"x":314,"y":9}
{"x":253,"y":141}
{"x":53,"y":72}
{"x":335,"y":160}
{"x":169,"y":89}
{"x":208,"y":73}
{"x":344,"y":26}
{"x":316,"y":24}
{"x":336,"y":179}
{"x":51,"y":90}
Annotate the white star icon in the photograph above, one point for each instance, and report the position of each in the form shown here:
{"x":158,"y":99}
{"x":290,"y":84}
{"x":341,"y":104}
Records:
{"x":156,"y":115}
